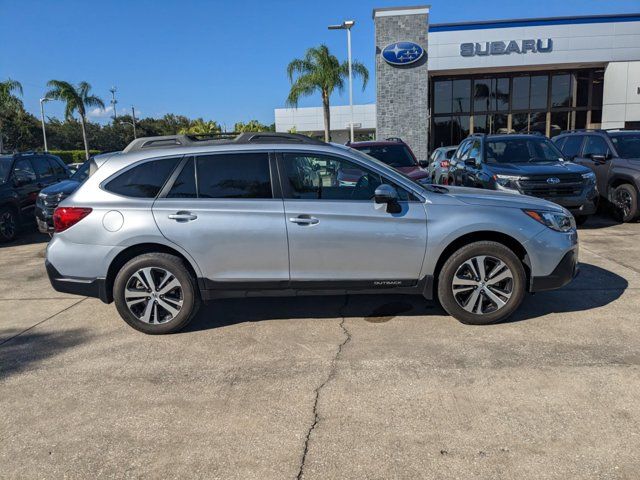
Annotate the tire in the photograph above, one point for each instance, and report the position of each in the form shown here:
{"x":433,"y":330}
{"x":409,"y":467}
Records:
{"x":8,"y":224}
{"x":462,"y":264}
{"x":581,"y":219}
{"x":155,"y":312}
{"x":624,"y":202}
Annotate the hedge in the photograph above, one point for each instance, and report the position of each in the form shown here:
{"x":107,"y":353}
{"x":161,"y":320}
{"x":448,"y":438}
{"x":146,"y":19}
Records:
{"x":72,"y":156}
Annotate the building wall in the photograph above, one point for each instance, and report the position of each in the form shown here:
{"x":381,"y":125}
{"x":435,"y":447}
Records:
{"x":311,"y":119}
{"x":621,"y":96}
{"x":402,"y":92}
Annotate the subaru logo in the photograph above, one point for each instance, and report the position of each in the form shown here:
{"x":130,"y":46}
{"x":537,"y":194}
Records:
{"x":553,"y":180}
{"x":402,"y":53}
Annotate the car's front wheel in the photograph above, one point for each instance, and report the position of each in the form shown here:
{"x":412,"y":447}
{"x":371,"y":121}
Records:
{"x":8,"y":224}
{"x":155,"y":293}
{"x":482,"y":283}
{"x":625,"y":202}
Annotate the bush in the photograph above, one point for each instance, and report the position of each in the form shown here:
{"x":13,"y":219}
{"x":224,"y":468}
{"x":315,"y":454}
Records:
{"x":72,"y":156}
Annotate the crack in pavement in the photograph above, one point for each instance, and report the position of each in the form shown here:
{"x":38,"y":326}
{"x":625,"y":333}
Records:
{"x":332,"y":372}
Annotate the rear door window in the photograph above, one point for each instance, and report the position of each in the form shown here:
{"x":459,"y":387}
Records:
{"x":58,"y":168}
{"x":571,"y":146}
{"x":234,"y":175}
{"x":23,"y":171}
{"x":185,"y":184}
{"x":42,"y":167}
{"x":144,"y":180}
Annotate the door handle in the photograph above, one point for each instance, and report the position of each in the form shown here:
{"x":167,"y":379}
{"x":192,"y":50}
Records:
{"x":304,"y":220}
{"x":182,"y":216}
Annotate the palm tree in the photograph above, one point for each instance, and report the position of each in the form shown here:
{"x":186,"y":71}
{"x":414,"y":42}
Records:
{"x":9,"y":100}
{"x":323,"y":72}
{"x":77,"y":98}
{"x":201,"y":127}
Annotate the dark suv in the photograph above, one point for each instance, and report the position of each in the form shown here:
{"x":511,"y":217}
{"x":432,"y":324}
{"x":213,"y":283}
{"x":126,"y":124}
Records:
{"x":528,"y":164}
{"x":22,"y":176}
{"x":395,"y":153}
{"x":614,"y":157}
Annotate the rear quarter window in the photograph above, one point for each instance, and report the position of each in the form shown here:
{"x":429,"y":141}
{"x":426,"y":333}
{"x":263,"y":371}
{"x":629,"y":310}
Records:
{"x":144,"y":180}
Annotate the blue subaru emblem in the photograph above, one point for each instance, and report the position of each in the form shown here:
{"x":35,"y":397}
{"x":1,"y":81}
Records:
{"x":402,"y":53}
{"x":553,"y":180}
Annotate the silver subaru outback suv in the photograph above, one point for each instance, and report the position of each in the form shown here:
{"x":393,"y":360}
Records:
{"x":174,"y":221}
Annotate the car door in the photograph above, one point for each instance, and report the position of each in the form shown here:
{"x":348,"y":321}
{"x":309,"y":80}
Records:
{"x":472,"y":165}
{"x":457,"y":162}
{"x":596,"y":145}
{"x":25,"y":183}
{"x":225,"y":210}
{"x":339,"y":237}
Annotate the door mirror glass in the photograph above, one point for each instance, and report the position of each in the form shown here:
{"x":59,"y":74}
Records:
{"x":387,"y":194}
{"x":471,"y":162}
{"x":600,"y":158}
{"x":423,"y":163}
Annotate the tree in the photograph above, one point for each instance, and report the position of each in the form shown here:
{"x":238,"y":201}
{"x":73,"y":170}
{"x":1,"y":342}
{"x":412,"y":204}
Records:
{"x":253,"y":126}
{"x":201,"y":127}
{"x":76,"y":99}
{"x":320,"y":71}
{"x":9,"y":102}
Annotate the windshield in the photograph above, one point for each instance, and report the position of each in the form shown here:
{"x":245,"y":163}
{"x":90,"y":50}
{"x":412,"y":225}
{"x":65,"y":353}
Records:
{"x":396,"y":156}
{"x":82,"y":173}
{"x":627,"y":145}
{"x":5,"y":168}
{"x":521,"y":150}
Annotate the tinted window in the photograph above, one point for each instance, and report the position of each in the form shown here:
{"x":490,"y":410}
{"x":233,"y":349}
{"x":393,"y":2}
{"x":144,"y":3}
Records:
{"x":42,"y":167}
{"x":520,"y":150}
{"x":520,"y":93}
{"x":461,"y":95}
{"x":82,"y":173}
{"x":442,"y":97}
{"x":538,"y":92}
{"x":502,"y":94}
{"x":185,"y":184}
{"x":484,"y":95}
{"x":561,"y":91}
{"x":23,"y":171}
{"x":595,"y":146}
{"x":5,"y":166}
{"x":571,"y":146}
{"x":237,"y":175}
{"x":58,"y":168}
{"x":627,"y":145}
{"x":143,"y":181}
{"x":393,"y":155}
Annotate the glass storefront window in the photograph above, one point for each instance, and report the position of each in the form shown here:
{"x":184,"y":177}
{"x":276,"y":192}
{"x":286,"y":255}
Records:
{"x":461,"y":96}
{"x":597,"y":86}
{"x":559,"y":122}
{"x":538,"y":92}
{"x":502,"y":94}
{"x":441,"y":131}
{"x":480,"y":124}
{"x":582,"y":88}
{"x":561,"y":90}
{"x":520,"y":99}
{"x":460,"y":129}
{"x":499,"y":123}
{"x":442,"y":96}
{"x":580,"y":119}
{"x":520,"y":121}
{"x":538,"y":122}
{"x":483,"y":95}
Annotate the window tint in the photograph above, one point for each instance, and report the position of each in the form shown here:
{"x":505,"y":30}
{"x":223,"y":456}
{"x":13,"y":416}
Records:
{"x":520,"y":150}
{"x":442,"y":96}
{"x":571,"y":146}
{"x":58,"y":169}
{"x":627,"y":145}
{"x":237,"y":175}
{"x":538,"y":92}
{"x":595,"y":146}
{"x":520,"y":93}
{"x":393,"y":155}
{"x":23,"y":171}
{"x":185,"y":184}
{"x":143,"y":181}
{"x":42,"y":167}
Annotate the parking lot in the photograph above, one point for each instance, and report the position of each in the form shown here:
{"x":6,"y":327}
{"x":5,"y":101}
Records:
{"x":326,"y":387}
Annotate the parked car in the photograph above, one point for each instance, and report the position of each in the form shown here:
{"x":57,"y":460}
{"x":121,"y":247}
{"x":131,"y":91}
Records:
{"x":174,"y":220}
{"x":73,"y":167}
{"x":22,"y":176}
{"x":395,"y":153}
{"x":527,"y":164}
{"x":438,"y":168}
{"x":49,"y":198}
{"x":614,"y":158}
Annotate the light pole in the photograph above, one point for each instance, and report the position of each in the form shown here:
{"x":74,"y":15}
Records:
{"x":133,"y":119}
{"x":113,"y":102}
{"x":347,"y":25}
{"x":44,"y":131}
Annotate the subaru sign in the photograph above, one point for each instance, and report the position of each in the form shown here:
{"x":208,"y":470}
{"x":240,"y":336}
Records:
{"x":505,"y":48}
{"x":402,"y":53}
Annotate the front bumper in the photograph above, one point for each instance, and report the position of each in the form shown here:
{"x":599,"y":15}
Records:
{"x":564,"y":272}
{"x":44,"y":219}
{"x":87,"y":287}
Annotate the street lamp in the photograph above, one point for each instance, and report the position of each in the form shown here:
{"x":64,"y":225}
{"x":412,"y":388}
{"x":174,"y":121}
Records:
{"x":44,"y":131}
{"x":346,"y":25}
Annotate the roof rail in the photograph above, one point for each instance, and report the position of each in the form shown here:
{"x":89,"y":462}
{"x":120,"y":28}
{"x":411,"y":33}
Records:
{"x":197,"y":140}
{"x":394,"y":139}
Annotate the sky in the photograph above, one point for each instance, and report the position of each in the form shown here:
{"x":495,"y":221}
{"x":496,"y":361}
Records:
{"x":221,"y":60}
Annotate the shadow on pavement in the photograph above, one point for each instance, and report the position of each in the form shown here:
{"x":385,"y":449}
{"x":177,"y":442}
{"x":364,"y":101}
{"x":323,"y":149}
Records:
{"x":26,"y":237}
{"x":594,"y":287}
{"x":25,"y":351}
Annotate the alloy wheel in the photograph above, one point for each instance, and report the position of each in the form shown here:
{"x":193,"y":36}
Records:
{"x":153,"y":295}
{"x":7,"y":225}
{"x":482,"y":284}
{"x":623,"y":202}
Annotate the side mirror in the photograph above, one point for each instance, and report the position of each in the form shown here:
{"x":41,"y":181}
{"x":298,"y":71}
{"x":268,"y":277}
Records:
{"x":599,"y":158}
{"x":471,"y":162}
{"x":387,"y":194}
{"x":423,"y":163}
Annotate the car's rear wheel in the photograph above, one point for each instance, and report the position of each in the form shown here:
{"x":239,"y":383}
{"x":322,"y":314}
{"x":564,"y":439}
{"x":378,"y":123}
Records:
{"x":581,"y":219}
{"x":624,"y":200}
{"x":482,"y":283}
{"x":8,"y":224}
{"x":155,"y":293}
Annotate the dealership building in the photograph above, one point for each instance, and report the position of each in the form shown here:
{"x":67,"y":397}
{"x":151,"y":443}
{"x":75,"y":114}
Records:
{"x":436,"y":84}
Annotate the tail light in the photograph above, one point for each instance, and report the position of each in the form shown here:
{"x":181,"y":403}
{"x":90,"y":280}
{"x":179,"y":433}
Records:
{"x":444,"y":164}
{"x":66,"y":217}
{"x":445,"y":181}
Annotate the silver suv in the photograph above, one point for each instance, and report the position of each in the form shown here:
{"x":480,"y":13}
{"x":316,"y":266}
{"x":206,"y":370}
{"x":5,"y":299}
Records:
{"x":173,"y":221}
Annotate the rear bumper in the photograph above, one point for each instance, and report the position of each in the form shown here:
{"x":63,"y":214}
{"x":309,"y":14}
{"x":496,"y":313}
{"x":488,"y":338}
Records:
{"x":564,"y":272}
{"x":87,"y":287}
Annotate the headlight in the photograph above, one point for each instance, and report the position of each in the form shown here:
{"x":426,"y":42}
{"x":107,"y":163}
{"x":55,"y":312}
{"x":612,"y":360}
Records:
{"x":589,"y":177}
{"x":507,"y":182}
{"x":560,"y":222}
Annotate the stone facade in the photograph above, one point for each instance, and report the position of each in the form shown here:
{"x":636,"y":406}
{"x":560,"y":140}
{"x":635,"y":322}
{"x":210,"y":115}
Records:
{"x":402,"y":92}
